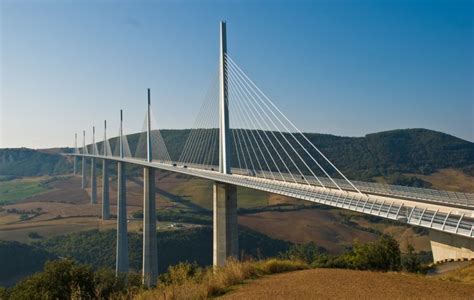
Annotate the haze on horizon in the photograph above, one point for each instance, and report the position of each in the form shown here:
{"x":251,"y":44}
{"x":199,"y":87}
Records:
{"x":344,"y":67}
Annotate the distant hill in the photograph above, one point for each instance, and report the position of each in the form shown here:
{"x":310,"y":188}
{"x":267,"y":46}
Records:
{"x":28,"y":162}
{"x":419,"y":151}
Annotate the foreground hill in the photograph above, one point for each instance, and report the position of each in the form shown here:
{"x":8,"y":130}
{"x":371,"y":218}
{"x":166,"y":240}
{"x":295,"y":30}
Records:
{"x":350,"y":284}
{"x":419,"y":151}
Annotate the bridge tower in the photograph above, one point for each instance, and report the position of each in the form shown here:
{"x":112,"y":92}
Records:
{"x":225,"y":233}
{"x":84,"y":160}
{"x":150,"y":255}
{"x":105,"y":179}
{"x":93,"y":170}
{"x":122,"y":240}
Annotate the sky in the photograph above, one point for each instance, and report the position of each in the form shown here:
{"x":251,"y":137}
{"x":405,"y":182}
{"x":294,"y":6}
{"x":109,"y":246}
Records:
{"x":340,"y":67}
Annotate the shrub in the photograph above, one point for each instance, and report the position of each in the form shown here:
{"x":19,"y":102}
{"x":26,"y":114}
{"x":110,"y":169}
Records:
{"x":34,"y":235}
{"x":308,"y":252}
{"x":273,"y":266}
{"x":382,"y":255}
{"x":411,"y":261}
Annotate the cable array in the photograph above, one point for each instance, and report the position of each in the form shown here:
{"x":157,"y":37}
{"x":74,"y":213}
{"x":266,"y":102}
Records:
{"x":158,"y":147}
{"x":266,"y":143}
{"x":202,"y":144}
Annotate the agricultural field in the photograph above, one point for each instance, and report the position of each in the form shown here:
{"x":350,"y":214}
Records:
{"x":15,"y":190}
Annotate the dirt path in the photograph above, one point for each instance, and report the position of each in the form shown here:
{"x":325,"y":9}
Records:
{"x":348,"y":284}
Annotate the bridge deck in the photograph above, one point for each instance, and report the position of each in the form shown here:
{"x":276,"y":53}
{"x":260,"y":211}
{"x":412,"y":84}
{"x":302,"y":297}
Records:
{"x":455,"y":217}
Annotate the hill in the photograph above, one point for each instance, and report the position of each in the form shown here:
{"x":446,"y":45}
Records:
{"x":385,"y":154}
{"x":29,"y":162}
{"x":350,"y":284}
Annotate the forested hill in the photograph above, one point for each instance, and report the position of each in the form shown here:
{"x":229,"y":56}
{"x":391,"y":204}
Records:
{"x":29,"y":162}
{"x":418,"y":151}
{"x":380,"y":154}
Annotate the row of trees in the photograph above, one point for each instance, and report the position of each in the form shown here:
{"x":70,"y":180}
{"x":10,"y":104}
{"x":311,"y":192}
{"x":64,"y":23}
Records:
{"x":381,"y":255}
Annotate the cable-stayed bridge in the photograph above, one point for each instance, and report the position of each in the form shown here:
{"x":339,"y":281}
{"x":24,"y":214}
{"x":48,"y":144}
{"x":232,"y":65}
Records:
{"x":240,"y":138}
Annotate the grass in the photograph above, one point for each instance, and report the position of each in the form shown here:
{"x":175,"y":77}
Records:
{"x":18,"y":189}
{"x":199,"y":191}
{"x":186,"y":281}
{"x":464,"y":274}
{"x":450,"y":180}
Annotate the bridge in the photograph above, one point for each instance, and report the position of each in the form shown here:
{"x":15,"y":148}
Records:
{"x":242,"y":139}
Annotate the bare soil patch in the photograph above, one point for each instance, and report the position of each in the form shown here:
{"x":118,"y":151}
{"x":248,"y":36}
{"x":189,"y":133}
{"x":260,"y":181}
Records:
{"x":349,"y":284}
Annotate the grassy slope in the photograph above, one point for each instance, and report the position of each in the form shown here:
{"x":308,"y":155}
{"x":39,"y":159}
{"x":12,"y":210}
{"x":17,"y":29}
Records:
{"x":450,"y":180}
{"x":464,"y":274}
{"x":350,"y":284}
{"x":18,"y":189}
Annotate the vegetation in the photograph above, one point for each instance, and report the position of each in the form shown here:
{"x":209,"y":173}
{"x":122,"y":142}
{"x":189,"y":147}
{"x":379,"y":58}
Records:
{"x":464,"y":274}
{"x":418,"y":151}
{"x":186,"y":281}
{"x":65,"y":279}
{"x":29,"y":162}
{"x":18,"y":189}
{"x":203,"y":217}
{"x":20,"y":259}
{"x":192,"y":245}
{"x":34,"y":235}
{"x":400,"y":179}
{"x":381,"y":255}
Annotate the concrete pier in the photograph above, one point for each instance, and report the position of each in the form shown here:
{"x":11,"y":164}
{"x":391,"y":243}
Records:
{"x":122,"y":240}
{"x":225,"y":229}
{"x":150,"y":251}
{"x":105,"y":191}
{"x":93,"y":181}
{"x":83,"y":173}
{"x":75,"y":165}
{"x":449,"y":247}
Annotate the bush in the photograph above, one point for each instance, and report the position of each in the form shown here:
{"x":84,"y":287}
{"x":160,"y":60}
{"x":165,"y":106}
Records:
{"x":273,"y":266}
{"x":308,"y":252}
{"x":65,"y":279}
{"x":382,"y":255}
{"x":412,"y":262}
{"x":34,"y":235}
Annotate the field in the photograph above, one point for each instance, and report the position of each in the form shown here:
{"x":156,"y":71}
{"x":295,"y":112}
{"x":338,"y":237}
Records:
{"x":65,"y":208}
{"x":19,"y":189}
{"x":450,"y":180}
{"x":349,"y":284}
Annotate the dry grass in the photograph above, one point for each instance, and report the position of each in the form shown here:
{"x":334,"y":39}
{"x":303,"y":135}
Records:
{"x":187,"y":282}
{"x":450,"y":180}
{"x":464,"y":274}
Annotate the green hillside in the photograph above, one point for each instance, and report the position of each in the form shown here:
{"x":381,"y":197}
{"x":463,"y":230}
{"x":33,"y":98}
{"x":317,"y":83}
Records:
{"x":386,"y":153}
{"x":28,"y":162}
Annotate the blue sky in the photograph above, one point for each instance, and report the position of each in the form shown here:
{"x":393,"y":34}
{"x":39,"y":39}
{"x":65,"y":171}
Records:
{"x":341,"y":67}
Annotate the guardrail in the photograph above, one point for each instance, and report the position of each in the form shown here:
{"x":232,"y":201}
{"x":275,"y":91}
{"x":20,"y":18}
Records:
{"x":454,"y":221}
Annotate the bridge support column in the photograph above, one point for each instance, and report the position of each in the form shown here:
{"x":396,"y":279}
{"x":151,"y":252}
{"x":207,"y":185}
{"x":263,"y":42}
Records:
{"x":93,"y":181}
{"x":105,"y":191}
{"x":122,"y":240}
{"x":225,"y":230}
{"x":75,"y":165}
{"x":150,"y":251}
{"x":447,"y":247}
{"x":83,"y":173}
